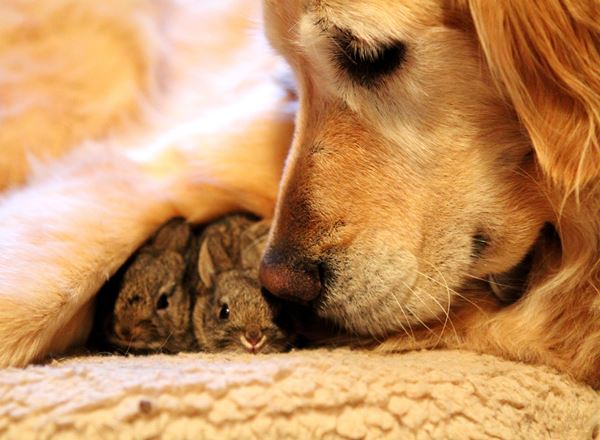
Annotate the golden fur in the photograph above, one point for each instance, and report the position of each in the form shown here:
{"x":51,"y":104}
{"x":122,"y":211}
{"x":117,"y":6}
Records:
{"x":49,"y":101}
{"x":489,"y":126}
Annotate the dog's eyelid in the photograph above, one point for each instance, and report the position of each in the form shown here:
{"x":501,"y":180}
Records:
{"x":366,"y":63}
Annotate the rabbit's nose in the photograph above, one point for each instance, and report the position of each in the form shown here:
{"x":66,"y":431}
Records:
{"x":253,"y":336}
{"x":123,"y":332}
{"x":288,"y":276}
{"x":130,"y":333}
{"x":253,"y":339}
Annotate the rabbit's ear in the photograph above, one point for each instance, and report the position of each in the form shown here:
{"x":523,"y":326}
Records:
{"x":206,"y":265}
{"x":213,"y":258}
{"x":252,"y":244}
{"x":173,"y":235}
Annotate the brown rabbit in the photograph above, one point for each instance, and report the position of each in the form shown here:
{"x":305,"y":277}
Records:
{"x":156,"y":295}
{"x":233,"y":315}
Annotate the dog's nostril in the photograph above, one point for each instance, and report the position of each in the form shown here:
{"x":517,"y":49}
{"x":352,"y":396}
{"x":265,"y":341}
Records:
{"x":296,"y":280}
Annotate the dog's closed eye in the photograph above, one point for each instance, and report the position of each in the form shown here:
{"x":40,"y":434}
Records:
{"x":366,"y":65}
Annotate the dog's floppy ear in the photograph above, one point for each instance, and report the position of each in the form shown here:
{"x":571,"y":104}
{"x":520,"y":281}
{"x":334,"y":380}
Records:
{"x":545,"y":57}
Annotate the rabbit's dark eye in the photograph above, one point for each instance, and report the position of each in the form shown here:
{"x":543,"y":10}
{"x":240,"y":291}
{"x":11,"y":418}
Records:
{"x":224,"y":312}
{"x":163,"y":302}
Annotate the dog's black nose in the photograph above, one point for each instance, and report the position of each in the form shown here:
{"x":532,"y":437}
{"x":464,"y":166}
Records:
{"x":290,"y":277}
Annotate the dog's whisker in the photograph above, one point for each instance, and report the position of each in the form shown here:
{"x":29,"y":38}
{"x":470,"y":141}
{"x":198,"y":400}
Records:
{"x":429,"y":309}
{"x":458,"y":294}
{"x":412,"y":334}
{"x":489,"y":280}
{"x":446,"y":310}
{"x":415,"y":315}
{"x":422,"y":323}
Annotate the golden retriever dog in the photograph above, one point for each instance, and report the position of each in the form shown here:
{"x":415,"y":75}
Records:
{"x":442,"y":148}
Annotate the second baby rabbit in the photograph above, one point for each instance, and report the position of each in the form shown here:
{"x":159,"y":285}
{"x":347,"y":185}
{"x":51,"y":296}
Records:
{"x":234,"y":315}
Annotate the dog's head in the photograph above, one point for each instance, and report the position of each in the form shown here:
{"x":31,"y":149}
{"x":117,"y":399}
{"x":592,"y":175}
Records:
{"x":422,"y":155}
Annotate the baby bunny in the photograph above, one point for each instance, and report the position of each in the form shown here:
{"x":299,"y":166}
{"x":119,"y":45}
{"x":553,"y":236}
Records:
{"x":234,"y":315}
{"x":152,"y":311}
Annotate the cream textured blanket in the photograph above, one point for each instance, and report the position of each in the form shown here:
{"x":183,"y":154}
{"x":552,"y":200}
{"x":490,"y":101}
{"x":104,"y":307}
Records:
{"x":304,"y":394}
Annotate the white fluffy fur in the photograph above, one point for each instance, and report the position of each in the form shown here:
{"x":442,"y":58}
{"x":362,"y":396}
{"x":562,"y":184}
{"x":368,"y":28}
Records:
{"x":179,"y":122}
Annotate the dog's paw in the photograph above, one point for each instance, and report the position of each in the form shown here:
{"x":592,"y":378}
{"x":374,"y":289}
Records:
{"x":32,"y":327}
{"x":23,"y":331}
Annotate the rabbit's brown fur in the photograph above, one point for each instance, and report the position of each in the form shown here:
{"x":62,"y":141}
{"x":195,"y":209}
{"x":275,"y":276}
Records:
{"x":168,"y":279}
{"x":234,"y":315}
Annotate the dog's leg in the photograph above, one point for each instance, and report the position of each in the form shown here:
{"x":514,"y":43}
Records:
{"x":62,"y":237}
